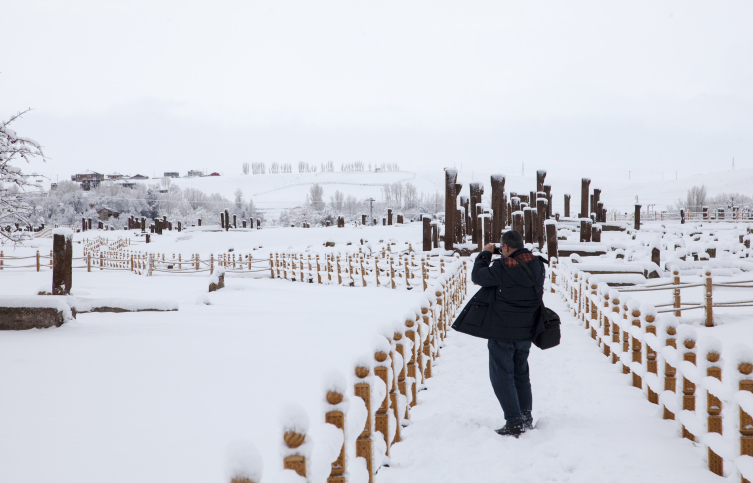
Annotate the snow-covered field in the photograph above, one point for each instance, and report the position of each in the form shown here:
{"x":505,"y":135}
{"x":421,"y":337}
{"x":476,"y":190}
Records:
{"x":160,"y":396}
{"x":277,"y":191}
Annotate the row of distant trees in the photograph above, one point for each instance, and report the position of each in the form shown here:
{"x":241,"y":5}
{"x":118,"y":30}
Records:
{"x":304,"y":167}
{"x":697,"y":197}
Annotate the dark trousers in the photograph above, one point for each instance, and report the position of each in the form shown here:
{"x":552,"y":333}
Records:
{"x":508,"y":371}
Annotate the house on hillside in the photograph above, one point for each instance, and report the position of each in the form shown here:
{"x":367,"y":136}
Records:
{"x":214,"y":174}
{"x":106,"y":213}
{"x":172,"y":174}
{"x":88,"y":180}
{"x":195,"y":173}
{"x":139,"y":176}
{"x":115,"y":176}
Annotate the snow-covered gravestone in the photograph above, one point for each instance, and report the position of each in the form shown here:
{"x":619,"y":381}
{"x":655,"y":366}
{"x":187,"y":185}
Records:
{"x":62,"y":253}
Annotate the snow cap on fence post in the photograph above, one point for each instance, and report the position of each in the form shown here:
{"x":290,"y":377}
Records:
{"x":337,"y":405}
{"x":244,"y":463}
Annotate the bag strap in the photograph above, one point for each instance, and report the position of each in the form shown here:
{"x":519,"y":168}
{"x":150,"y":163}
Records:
{"x":533,"y":279}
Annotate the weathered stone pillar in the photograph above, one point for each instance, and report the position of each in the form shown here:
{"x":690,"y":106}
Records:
{"x":551,"y":239}
{"x":389,"y":216}
{"x":517,"y":222}
{"x":585,"y":229}
{"x":637,"y":224}
{"x":450,"y":178}
{"x":227,"y":220}
{"x":476,"y":191}
{"x":585,"y":183}
{"x":548,"y":191}
{"x":527,"y":225}
{"x":62,"y":259}
{"x":567,"y":206}
{"x":499,"y":206}
{"x":541,"y":208}
{"x":540,"y":176}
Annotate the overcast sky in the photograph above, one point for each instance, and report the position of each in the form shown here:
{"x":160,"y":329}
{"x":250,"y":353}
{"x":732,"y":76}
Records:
{"x":581,"y":87}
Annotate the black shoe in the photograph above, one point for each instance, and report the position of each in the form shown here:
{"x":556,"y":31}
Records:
{"x":527,"y":420}
{"x":511,"y":430}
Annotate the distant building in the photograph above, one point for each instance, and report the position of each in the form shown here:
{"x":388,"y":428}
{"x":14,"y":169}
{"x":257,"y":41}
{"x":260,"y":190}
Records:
{"x":163,"y":190}
{"x":89,"y":180}
{"x":53,"y":186}
{"x":126,"y":184}
{"x":195,"y":173}
{"x":172,"y":174}
{"x":139,"y":176}
{"x":115,"y":176}
{"x":106,"y":213}
{"x":214,"y":174}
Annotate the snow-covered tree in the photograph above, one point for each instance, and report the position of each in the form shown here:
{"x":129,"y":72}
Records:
{"x":14,"y":208}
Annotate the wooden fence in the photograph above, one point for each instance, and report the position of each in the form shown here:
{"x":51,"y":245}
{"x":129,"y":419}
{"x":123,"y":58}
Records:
{"x":645,"y":344}
{"x":388,"y":382}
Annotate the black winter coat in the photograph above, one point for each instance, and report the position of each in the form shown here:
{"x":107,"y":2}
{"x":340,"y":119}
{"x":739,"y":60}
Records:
{"x":507,"y":296}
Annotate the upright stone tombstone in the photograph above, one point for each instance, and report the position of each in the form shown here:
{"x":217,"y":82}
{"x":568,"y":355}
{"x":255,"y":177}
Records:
{"x":62,"y":260}
{"x":389,"y":216}
{"x":541,"y":209}
{"x":499,"y":206}
{"x":477,"y":190}
{"x":426,"y":233}
{"x":637,"y":224}
{"x":551,"y":239}
{"x":585,"y":183}
{"x":227,"y":220}
{"x":450,"y":200}
{"x":540,"y":177}
{"x":527,"y":224}
{"x":548,"y":191}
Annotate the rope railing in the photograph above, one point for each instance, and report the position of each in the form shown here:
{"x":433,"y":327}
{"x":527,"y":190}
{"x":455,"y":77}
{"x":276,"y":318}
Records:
{"x":633,"y":334}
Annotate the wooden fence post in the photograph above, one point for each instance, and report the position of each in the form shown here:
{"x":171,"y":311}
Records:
{"x":381,"y":418}
{"x":709,"y":305}
{"x":295,"y":462}
{"x":615,"y":328}
{"x":676,"y":281}
{"x":670,"y":382}
{"x":651,"y":363}
{"x":637,"y":347}
{"x":688,"y":388}
{"x":336,"y":417}
{"x":746,"y":420}
{"x":363,"y":443}
{"x":714,"y":410}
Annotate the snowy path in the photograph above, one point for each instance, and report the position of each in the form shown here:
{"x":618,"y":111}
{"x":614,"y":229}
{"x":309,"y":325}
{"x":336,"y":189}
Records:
{"x":592,"y":425}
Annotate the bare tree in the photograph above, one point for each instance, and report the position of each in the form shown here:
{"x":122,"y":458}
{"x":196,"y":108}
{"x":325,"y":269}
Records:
{"x":337,"y":201}
{"x":695,"y":200}
{"x":245,"y":168}
{"x":315,"y":196}
{"x":13,"y":207}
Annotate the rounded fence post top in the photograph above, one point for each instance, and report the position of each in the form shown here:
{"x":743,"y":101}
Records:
{"x":650,"y":319}
{"x":293,"y":440}
{"x":713,"y":356}
{"x":745,"y":368}
{"x":671,"y":330}
{"x":689,"y":343}
{"x":362,"y":372}
{"x":380,"y":356}
{"x":636,"y":313}
{"x":409,"y":323}
{"x":334,"y":397}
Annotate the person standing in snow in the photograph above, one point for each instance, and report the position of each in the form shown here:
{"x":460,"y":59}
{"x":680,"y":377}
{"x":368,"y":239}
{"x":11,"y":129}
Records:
{"x":509,"y":324}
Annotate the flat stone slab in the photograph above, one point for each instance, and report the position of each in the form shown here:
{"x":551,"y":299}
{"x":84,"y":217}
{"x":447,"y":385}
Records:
{"x":34,"y":312}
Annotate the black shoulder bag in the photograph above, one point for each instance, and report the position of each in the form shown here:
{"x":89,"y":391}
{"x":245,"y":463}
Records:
{"x":547,"y":334}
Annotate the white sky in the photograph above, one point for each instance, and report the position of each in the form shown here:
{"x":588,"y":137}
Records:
{"x":158,"y":86}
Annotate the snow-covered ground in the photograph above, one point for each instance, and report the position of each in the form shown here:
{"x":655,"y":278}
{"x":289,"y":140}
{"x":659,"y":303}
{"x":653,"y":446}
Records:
{"x":159,"y":396}
{"x":277,"y":191}
{"x":591,"y":425}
